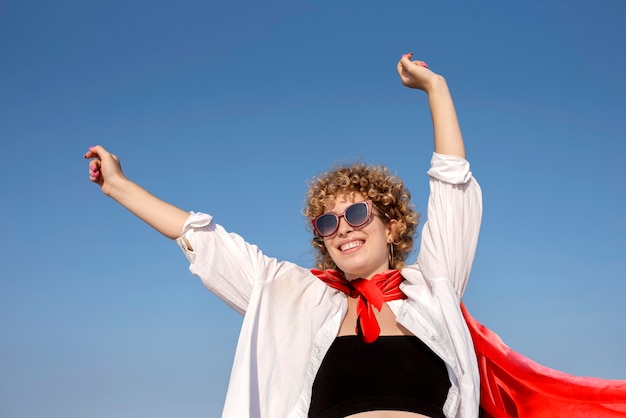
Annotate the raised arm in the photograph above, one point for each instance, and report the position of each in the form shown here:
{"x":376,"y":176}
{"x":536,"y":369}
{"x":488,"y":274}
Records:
{"x":447,"y":132}
{"x":106,"y":171}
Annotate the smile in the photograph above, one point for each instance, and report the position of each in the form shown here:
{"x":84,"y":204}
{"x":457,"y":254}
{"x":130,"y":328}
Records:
{"x":350,"y":245}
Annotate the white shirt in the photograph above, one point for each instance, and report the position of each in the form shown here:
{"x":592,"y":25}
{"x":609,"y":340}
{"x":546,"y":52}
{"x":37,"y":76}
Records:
{"x":291,"y":317}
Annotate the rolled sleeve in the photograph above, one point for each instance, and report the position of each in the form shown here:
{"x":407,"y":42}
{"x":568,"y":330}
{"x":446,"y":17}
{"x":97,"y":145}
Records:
{"x":195,"y":221}
{"x":449,"y":169}
{"x":450,"y":234}
{"x":227,"y":265}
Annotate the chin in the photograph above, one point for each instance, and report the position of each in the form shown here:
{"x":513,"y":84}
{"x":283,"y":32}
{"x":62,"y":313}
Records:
{"x":356,"y":273}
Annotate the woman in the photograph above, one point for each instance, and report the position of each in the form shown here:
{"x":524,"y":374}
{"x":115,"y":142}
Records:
{"x":354,"y":337}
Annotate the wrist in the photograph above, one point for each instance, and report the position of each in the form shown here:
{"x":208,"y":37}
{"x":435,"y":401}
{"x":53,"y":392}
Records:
{"x":117,"y":187}
{"x":437,"y":85}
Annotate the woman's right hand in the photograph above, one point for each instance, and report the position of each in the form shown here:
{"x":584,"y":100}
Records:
{"x":106,"y":171}
{"x":104,"y":168}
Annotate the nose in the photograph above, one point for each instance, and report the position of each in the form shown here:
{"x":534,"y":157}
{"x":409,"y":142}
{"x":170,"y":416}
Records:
{"x":344,"y":227}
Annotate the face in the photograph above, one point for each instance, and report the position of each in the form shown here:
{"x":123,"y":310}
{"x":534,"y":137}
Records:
{"x":359,"y":252}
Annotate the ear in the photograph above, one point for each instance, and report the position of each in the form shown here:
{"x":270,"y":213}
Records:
{"x":392,"y":231}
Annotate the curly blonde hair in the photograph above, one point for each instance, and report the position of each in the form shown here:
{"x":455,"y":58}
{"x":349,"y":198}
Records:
{"x":389,"y":197}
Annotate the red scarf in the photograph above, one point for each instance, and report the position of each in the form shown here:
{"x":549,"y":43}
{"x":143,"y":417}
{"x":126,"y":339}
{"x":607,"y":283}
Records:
{"x":371,"y":294}
{"x":511,"y":385}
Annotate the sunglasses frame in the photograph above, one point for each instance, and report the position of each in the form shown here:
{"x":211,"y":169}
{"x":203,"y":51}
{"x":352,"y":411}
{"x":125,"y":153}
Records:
{"x":368,"y":203}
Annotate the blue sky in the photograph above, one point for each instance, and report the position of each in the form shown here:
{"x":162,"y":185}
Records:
{"x":230,"y":108}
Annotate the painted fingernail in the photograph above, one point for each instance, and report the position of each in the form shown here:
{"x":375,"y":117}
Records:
{"x":410,"y":54}
{"x":423,"y":64}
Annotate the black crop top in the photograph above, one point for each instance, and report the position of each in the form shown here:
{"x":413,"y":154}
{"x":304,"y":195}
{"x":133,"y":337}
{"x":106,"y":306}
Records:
{"x":396,"y":372}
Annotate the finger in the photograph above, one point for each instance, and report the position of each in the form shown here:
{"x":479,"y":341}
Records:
{"x":405,"y":60}
{"x":94,"y":170}
{"x":94,"y":165}
{"x":96,"y":151}
{"x":402,"y":70}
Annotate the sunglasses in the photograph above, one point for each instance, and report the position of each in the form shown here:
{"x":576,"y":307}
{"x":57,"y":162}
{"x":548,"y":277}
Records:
{"x":356,"y":215}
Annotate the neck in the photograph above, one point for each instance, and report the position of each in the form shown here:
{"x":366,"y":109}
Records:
{"x":352,"y":276}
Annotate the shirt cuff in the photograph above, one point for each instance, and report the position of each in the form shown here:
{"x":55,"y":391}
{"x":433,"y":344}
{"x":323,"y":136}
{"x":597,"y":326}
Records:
{"x":195,"y":221}
{"x":450,"y":169}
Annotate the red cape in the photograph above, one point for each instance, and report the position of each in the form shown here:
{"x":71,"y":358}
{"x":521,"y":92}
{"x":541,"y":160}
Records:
{"x":513,"y":386}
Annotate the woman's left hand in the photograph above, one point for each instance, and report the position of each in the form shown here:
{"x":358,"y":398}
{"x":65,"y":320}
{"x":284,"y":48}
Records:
{"x":415,"y":74}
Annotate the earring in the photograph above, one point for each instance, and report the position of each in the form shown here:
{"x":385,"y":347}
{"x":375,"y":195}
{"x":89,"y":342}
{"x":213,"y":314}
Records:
{"x":391,"y":255}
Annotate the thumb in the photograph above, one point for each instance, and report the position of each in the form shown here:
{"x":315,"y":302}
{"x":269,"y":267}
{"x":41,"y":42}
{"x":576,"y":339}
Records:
{"x":97,"y":151}
{"x":405,"y":61}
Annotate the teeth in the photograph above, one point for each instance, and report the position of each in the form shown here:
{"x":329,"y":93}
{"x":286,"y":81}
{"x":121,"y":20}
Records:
{"x":351,"y":245}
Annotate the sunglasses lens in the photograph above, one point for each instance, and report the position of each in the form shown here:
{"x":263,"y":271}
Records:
{"x":357,"y":214}
{"x":326,"y":224}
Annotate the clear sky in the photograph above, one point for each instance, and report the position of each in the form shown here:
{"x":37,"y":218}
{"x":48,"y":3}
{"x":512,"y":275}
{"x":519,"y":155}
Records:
{"x":230,"y":108}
